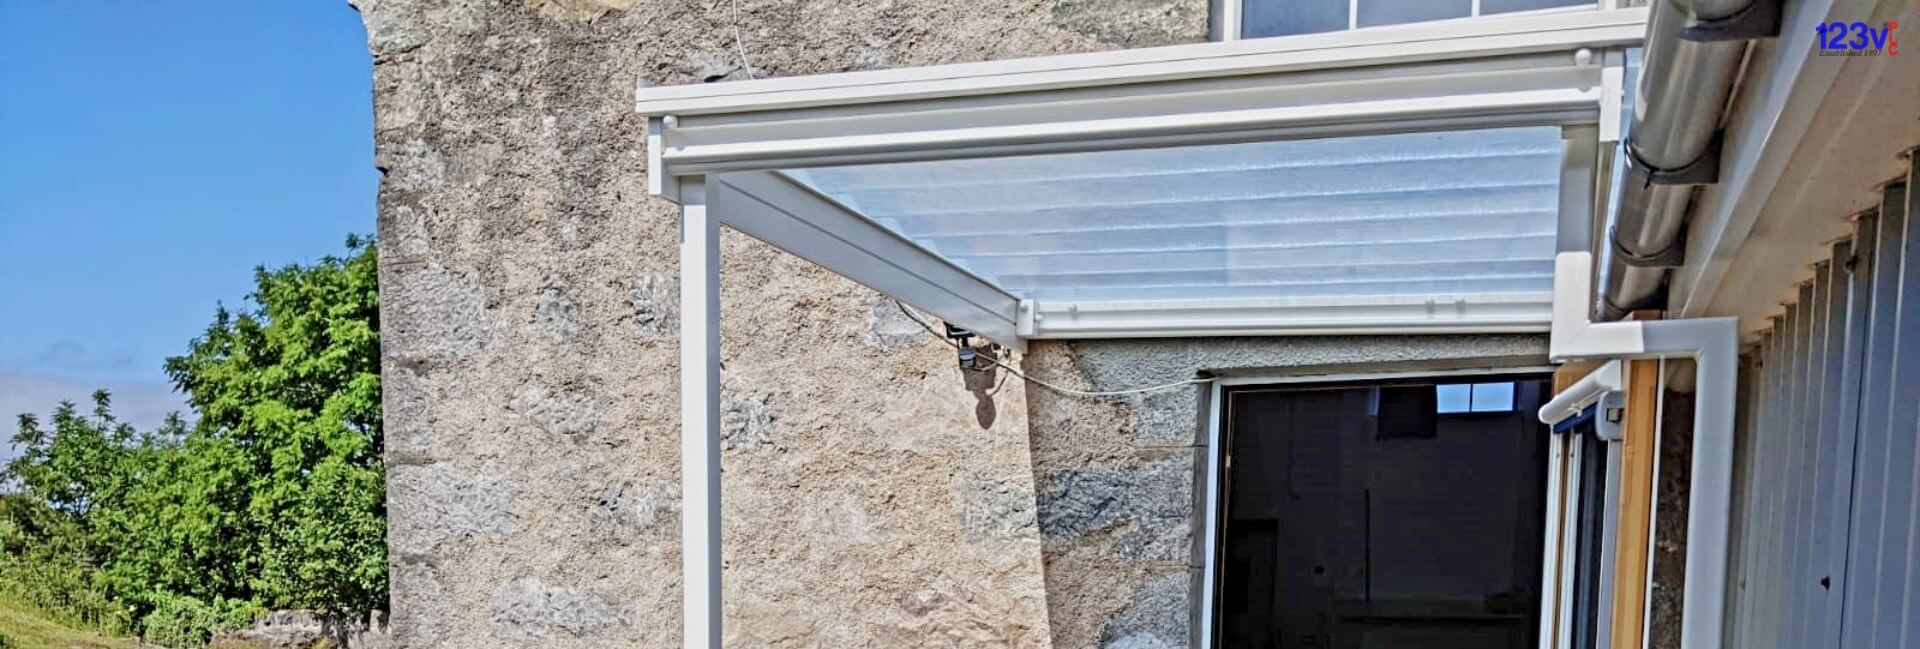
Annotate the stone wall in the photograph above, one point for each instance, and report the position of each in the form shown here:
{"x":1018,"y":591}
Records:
{"x":873,"y":499}
{"x":875,"y":496}
{"x":1117,"y":477}
{"x":1674,"y":493}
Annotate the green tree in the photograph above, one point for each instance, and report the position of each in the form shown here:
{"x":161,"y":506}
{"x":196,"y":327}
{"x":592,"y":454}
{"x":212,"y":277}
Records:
{"x":272,"y":498}
{"x":288,"y":396}
{"x":70,"y":477}
{"x":80,"y":464}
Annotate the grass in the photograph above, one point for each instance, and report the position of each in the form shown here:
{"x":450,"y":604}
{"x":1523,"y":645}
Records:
{"x":23,"y":627}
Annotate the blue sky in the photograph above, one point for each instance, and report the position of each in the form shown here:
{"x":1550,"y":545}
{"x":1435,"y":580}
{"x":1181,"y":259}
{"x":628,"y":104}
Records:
{"x":151,"y":155}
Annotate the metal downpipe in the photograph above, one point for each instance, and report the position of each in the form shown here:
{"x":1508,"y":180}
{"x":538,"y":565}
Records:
{"x":1671,"y":146}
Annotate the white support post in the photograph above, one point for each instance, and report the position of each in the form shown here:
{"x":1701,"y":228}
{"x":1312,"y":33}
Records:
{"x":699,"y":419}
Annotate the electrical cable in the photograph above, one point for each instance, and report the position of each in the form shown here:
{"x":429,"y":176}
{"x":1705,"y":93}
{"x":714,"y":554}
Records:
{"x":1056,"y":388}
{"x":740,"y":43}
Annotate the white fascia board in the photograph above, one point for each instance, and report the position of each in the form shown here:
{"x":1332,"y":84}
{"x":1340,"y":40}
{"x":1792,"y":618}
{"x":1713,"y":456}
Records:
{"x":1389,"y":315}
{"x":774,"y":208}
{"x":1787,"y":93}
{"x":1480,"y":73}
{"x":1478,"y":37}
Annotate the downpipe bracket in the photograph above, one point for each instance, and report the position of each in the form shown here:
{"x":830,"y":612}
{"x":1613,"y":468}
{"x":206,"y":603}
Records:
{"x":1672,"y":256}
{"x":1759,"y":20}
{"x":1704,"y":170}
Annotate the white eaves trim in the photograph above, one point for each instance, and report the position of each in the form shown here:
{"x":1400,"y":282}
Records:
{"x":1346,"y":315}
{"x":1786,"y":94}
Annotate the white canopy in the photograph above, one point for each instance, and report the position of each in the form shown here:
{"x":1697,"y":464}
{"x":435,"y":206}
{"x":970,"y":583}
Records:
{"x":1424,"y":178}
{"x":1410,"y":179}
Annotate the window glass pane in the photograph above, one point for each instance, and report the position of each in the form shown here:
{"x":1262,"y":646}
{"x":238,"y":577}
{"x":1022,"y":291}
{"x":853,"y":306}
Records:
{"x":1394,"y":12}
{"x":1492,"y":397}
{"x":1405,"y":413}
{"x":1287,"y":17}
{"x":1504,"y":6}
{"x":1452,"y":398}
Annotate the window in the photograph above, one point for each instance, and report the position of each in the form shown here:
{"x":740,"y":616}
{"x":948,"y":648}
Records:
{"x":1404,"y":412}
{"x":1289,"y":17}
{"x":1327,"y":536}
{"x":1460,"y":398}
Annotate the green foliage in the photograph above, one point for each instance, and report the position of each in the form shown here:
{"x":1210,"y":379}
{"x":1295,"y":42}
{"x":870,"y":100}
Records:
{"x":69,"y":478}
{"x":289,"y":403}
{"x":182,"y":621}
{"x":27,"y":627}
{"x":273,"y":498}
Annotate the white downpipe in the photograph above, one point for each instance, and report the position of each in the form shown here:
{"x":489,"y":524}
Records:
{"x":699,"y":420}
{"x":1712,"y":343}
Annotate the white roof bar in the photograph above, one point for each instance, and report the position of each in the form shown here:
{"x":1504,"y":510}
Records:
{"x":772,"y":207}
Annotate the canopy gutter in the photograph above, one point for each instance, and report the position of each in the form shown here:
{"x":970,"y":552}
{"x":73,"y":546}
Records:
{"x":1480,"y":37}
{"x":1529,"y":70}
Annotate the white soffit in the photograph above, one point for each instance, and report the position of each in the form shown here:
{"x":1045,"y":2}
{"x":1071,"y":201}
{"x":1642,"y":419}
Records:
{"x":1809,"y":142}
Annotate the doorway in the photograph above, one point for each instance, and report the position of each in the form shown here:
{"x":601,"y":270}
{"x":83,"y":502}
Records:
{"x":1381,"y":515}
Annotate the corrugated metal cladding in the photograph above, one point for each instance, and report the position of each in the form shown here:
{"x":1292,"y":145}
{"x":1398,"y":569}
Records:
{"x":1825,"y":551}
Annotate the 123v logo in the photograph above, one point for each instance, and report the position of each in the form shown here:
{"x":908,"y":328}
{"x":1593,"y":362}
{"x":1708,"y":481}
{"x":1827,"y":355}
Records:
{"x":1858,"y":39}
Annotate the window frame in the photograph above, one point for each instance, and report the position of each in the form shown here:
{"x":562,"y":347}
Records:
{"x":1473,"y":395}
{"x":1211,"y":498}
{"x":1226,"y":19}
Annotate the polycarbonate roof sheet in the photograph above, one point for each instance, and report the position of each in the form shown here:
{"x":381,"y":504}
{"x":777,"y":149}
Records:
{"x":1444,"y":214}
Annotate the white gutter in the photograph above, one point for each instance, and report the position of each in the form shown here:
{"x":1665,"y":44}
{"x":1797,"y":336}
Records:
{"x":1713,"y":345}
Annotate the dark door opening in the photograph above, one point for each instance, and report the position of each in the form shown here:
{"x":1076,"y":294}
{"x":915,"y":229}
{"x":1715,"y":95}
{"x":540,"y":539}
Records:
{"x":1384,"y":515}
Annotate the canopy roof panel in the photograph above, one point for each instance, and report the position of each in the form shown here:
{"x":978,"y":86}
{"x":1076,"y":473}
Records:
{"x":1411,"y":214}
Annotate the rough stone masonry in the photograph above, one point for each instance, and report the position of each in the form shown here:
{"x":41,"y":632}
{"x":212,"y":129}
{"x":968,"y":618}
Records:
{"x":874,"y":496}
{"x":531,"y":371}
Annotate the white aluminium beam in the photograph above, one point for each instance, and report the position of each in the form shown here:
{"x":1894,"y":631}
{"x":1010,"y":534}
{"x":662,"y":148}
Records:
{"x":774,"y":208}
{"x":1348,"y":315}
{"x":1529,"y":70}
